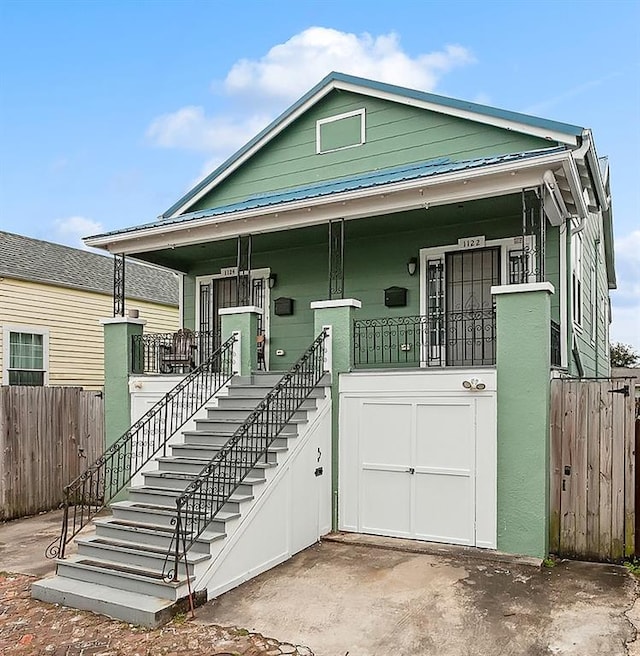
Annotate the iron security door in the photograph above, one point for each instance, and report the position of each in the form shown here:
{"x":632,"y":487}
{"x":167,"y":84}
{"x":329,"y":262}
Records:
{"x":470,"y":318}
{"x":218,"y":293}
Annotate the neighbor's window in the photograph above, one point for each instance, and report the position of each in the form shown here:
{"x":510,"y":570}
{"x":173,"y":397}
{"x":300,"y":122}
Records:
{"x":26,"y":364}
{"x":340,"y":131}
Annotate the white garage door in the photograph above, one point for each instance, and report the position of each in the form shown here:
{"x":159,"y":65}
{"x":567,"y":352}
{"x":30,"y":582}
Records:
{"x":419,"y":464}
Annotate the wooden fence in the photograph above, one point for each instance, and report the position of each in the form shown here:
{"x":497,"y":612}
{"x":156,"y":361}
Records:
{"x":592,"y":496}
{"x":48,"y":436}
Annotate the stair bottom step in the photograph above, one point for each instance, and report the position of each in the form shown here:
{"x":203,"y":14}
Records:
{"x":131,"y":607}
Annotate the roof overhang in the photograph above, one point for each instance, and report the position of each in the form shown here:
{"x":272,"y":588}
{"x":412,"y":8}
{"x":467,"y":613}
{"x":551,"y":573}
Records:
{"x":549,"y":130}
{"x":457,"y":186}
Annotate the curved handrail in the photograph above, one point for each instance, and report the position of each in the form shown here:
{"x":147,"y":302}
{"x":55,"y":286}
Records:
{"x":204,"y":497}
{"x":90,"y":492}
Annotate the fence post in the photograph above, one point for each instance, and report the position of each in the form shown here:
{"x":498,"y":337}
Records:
{"x":337,"y":316}
{"x":523,"y":316}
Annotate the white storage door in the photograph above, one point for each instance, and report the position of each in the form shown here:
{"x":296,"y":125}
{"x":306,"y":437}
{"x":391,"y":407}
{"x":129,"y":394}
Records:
{"x":419,"y":466}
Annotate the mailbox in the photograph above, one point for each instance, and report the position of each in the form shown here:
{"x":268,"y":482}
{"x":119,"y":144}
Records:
{"x":283,"y":307}
{"x":395,"y":296}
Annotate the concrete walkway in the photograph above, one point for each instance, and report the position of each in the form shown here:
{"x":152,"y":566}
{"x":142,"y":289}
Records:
{"x":356,"y":599}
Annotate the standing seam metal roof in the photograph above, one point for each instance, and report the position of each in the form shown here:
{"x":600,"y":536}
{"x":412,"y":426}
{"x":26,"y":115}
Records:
{"x":414,"y":171}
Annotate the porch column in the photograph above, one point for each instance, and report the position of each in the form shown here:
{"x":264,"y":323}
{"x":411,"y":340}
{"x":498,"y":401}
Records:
{"x":242,"y":320}
{"x":523,"y":316}
{"x":118,"y":333}
{"x":338,"y":314}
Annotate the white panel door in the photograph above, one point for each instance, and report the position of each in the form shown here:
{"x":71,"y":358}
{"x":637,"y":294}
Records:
{"x":416,"y":468}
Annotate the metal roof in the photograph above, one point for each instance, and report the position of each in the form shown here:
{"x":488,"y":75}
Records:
{"x":371,"y":179}
{"x":379,"y":87}
{"x":26,"y":258}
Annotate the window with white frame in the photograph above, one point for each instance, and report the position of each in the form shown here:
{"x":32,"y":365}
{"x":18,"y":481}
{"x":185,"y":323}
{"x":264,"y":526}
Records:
{"x":576,"y":277}
{"x":26,"y":354}
{"x":341,"y":131}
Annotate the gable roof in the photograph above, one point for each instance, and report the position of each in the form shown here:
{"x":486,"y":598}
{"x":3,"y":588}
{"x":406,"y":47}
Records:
{"x":553,"y":130}
{"x":31,"y":259}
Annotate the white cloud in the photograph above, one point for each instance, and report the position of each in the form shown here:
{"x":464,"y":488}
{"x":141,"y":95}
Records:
{"x":192,"y":129}
{"x":291,"y":68}
{"x":286,"y":72}
{"x":71,"y":230}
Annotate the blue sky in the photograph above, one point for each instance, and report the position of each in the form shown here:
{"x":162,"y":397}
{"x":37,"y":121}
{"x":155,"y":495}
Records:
{"x":111,"y":110}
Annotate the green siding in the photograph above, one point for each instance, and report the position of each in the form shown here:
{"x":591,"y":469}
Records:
{"x":592,"y":346}
{"x":552,"y":268}
{"x":395,"y":134}
{"x":341,"y":133}
{"x":376,"y":253}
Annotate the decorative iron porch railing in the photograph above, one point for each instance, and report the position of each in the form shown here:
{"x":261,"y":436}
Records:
{"x":459,"y":339}
{"x":556,"y":356}
{"x":169,"y":353}
{"x":205,"y":496}
{"x":112,"y":471}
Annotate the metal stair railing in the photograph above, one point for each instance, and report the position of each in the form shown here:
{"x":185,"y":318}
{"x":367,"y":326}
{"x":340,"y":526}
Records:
{"x":88,"y":494}
{"x":205,"y":496}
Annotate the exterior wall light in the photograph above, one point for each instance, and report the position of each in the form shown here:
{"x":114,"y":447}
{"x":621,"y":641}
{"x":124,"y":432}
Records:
{"x":473,"y":384}
{"x":412,"y":266}
{"x":273,"y":280}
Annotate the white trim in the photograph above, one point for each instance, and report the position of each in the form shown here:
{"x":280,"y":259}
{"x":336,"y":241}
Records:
{"x":6,"y":349}
{"x":240,"y":309}
{"x":496,"y":290}
{"x":354,"y":88}
{"x":339,"y":117}
{"x":109,"y":320}
{"x":335,"y":303}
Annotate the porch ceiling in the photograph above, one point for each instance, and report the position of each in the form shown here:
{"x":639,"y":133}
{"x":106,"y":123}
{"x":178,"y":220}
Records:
{"x":471,"y":213}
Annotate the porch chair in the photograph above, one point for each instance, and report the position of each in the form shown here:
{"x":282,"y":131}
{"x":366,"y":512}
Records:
{"x":180,"y":353}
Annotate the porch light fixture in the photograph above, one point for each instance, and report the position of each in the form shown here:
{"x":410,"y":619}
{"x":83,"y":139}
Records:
{"x":272,"y":280}
{"x":412,"y":266}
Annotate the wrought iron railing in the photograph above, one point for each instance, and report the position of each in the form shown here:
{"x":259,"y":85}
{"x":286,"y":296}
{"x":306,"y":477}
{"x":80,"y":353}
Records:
{"x":459,"y":339}
{"x":556,"y":356}
{"x":112,"y":471}
{"x":205,"y":496}
{"x":169,"y":353}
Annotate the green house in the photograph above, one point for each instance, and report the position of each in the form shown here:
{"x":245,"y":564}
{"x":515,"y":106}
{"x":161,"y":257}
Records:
{"x":449,"y":258}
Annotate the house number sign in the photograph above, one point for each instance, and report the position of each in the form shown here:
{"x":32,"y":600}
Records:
{"x":229,"y":271}
{"x":471,"y":242}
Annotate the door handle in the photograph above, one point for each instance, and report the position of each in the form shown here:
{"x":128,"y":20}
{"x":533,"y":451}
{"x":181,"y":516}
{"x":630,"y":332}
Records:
{"x":411,"y":470}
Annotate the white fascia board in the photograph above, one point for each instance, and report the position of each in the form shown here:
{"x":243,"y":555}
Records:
{"x":572,"y":176}
{"x":594,"y":166}
{"x":514,"y":126}
{"x":458,"y":186}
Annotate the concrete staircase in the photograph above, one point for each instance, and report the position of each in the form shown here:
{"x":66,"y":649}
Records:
{"x":118,"y":571}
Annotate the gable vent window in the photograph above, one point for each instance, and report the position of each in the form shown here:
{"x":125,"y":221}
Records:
{"x":340,"y":131}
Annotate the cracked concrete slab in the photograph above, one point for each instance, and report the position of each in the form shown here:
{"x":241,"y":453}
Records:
{"x":360,"y":600}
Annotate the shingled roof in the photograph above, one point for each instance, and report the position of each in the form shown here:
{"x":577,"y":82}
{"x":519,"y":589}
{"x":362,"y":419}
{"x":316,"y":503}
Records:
{"x":26,"y":258}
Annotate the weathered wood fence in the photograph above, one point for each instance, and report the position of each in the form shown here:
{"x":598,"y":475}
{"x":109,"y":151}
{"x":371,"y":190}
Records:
{"x":48,"y":436}
{"x":593,"y":477}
